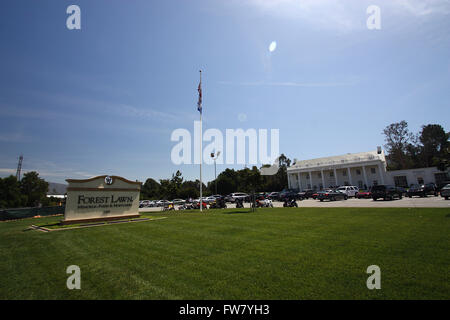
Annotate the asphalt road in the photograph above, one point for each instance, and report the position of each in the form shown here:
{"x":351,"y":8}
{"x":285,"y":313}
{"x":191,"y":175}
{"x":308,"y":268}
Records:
{"x":415,"y":202}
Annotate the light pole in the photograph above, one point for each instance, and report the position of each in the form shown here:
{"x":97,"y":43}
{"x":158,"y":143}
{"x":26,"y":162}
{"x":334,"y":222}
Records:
{"x":214,"y":157}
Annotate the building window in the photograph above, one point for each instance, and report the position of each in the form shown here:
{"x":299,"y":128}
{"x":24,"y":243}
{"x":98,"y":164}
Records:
{"x":319,"y":175}
{"x":344,"y":173}
{"x":372,"y":170}
{"x":331,"y":174}
{"x":346,"y":183}
{"x":360,"y":184}
{"x":420,"y":180}
{"x":358,"y":172}
{"x":440,"y":178}
{"x":401,"y":181}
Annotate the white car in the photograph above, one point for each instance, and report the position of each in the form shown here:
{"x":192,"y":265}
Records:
{"x":210,"y":199}
{"x":178,"y":201}
{"x":350,"y":191}
{"x":239,"y":195}
{"x":162,"y":203}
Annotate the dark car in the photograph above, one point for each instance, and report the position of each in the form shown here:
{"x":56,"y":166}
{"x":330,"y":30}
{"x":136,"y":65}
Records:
{"x":445,"y":192}
{"x":306,"y":194}
{"x":261,"y":195}
{"x":288,"y":194}
{"x":315,"y":195}
{"x":386,"y":192}
{"x":331,"y":195}
{"x":402,"y":190}
{"x":422,"y":190}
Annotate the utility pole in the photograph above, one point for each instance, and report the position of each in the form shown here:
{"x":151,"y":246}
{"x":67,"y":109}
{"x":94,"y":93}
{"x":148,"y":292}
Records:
{"x":19,"y":168}
{"x":214,"y":157}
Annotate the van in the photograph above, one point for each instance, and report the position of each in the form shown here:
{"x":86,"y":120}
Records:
{"x":350,"y":191}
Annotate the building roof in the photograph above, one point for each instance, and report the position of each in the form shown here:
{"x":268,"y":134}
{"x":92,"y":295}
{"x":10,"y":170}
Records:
{"x":348,"y":158}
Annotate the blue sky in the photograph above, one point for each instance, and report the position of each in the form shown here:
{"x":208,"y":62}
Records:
{"x":105,"y":99}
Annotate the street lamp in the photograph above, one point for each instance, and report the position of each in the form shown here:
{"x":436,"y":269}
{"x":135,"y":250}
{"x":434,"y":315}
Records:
{"x":214,"y":157}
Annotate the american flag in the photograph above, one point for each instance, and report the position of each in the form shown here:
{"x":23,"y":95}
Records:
{"x":199,"y":103}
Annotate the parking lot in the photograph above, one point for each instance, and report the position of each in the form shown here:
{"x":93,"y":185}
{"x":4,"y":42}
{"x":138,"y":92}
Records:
{"x":405,"y":202}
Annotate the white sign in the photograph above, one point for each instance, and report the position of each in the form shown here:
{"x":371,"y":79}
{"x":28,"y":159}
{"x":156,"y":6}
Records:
{"x":101,"y":198}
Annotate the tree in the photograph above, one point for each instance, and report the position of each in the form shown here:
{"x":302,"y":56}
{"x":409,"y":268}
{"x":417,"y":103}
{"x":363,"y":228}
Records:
{"x":188,"y":189}
{"x":398,"y":138}
{"x":10,"y":195}
{"x":150,"y":189}
{"x":435,"y":145}
{"x":34,"y":188}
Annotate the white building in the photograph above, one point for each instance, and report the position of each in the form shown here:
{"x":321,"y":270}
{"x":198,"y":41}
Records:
{"x":404,"y":178}
{"x":363,"y":170}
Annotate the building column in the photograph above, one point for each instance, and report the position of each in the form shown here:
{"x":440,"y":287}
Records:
{"x":381,"y":174}
{"x":365,"y":176}
{"x":299,"y":182}
{"x":289,"y":181}
{"x":349,"y":176}
{"x":323,"y":179}
{"x":310,"y":179}
{"x":335,"y":177}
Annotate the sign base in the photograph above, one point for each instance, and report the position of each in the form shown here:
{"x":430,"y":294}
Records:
{"x":67,"y":222}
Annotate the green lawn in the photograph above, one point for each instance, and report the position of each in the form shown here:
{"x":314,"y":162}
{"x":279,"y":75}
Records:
{"x":285,"y":253}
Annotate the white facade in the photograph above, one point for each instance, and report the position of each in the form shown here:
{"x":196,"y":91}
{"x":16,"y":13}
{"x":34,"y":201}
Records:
{"x":363,"y":170}
{"x":405,"y":178}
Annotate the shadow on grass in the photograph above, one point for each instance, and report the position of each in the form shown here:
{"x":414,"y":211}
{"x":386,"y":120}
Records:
{"x":49,"y":225}
{"x":237,"y":211}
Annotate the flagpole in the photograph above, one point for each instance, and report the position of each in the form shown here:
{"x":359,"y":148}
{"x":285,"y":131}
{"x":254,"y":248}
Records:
{"x":201,"y":151}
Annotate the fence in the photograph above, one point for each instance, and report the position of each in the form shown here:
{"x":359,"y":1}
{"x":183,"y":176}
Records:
{"x":21,"y":213}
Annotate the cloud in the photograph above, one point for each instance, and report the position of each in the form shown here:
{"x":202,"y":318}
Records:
{"x":147,"y":113}
{"x":70,"y":106}
{"x":13,"y":137}
{"x":344,"y":15}
{"x":323,"y":14}
{"x":7,"y":171}
{"x":423,"y":8}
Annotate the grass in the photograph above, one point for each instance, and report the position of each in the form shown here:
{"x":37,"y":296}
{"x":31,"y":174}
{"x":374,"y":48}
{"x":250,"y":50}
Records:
{"x":280,"y":253}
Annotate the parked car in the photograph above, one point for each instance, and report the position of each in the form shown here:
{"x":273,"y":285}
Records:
{"x":386,"y":192}
{"x":331,"y":195}
{"x":178,"y":201}
{"x":364,"y":194}
{"x":144,"y":203}
{"x":402,"y":190}
{"x":422,"y":190}
{"x":210,"y":199}
{"x":306,"y":194}
{"x":289,"y":194}
{"x":350,"y":191}
{"x":196,"y":204}
{"x":443,"y":184}
{"x":445,"y":191}
{"x":273,"y":196}
{"x":315,"y":195}
{"x":218,"y":203}
{"x":162,"y":203}
{"x":237,"y":195}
